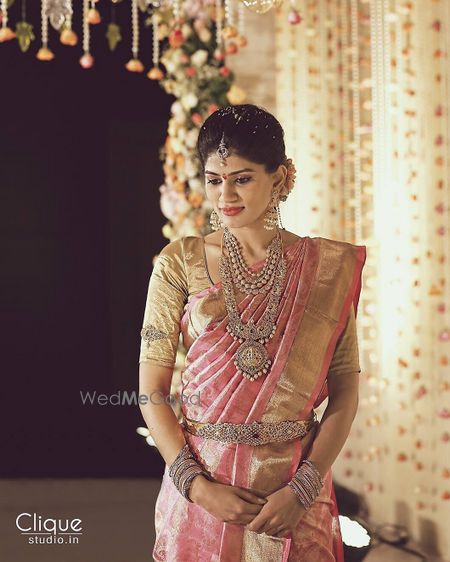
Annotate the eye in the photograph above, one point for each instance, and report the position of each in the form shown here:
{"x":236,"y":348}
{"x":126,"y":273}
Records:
{"x":245,"y":179}
{"x":240,"y":179}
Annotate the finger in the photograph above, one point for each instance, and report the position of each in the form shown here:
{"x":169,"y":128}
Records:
{"x":250,"y":510}
{"x":250,"y":497}
{"x":246,"y":518}
{"x":284,"y":534}
{"x":257,"y":492}
{"x":257,"y":524}
{"x":269,"y":528}
{"x":278,"y":531}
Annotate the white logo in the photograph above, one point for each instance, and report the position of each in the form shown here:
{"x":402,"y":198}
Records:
{"x":40,"y":530}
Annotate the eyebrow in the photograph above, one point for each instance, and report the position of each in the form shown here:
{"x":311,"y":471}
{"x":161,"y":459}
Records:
{"x":231,"y":173}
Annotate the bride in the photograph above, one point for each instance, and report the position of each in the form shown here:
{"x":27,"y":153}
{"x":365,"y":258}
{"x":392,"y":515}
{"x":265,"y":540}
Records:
{"x":268,"y":321}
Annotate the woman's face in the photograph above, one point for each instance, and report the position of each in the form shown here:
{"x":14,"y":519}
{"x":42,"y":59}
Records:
{"x":241,"y":183}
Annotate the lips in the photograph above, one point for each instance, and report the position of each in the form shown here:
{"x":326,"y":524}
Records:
{"x":231,"y":210}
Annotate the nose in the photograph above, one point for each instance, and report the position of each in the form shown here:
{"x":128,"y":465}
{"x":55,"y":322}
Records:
{"x":227,"y":190}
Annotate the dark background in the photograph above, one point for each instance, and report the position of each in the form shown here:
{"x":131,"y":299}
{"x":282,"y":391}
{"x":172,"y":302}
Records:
{"x":81,"y":222}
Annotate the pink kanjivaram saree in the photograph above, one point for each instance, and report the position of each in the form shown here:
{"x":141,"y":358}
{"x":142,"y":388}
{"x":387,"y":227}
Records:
{"x":315,"y":335}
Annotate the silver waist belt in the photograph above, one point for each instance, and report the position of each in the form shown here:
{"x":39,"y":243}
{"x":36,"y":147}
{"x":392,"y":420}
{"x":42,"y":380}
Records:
{"x":255,"y":433}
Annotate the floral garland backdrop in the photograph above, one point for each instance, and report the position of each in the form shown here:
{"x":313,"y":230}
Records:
{"x":197,"y":75}
{"x":367,"y":117}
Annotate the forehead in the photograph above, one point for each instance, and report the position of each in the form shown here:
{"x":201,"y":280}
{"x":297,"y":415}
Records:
{"x":234,"y":162}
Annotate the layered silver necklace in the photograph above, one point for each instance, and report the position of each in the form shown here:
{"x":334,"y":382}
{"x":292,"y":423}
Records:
{"x":252,"y":358}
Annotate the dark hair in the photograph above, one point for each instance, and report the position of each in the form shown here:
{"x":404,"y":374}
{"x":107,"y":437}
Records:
{"x":250,"y":131}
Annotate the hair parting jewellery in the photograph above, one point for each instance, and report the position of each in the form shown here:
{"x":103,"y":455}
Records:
{"x":222,"y":151}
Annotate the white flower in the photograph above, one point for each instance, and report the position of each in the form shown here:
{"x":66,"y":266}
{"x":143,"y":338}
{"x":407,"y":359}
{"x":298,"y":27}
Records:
{"x":196,"y":184}
{"x":176,"y":145}
{"x":170,"y":65}
{"x":199,"y":57}
{"x":172,"y":128}
{"x":178,"y":113}
{"x":188,"y":101}
{"x":163,"y":31}
{"x":180,"y":119}
{"x":205,"y":35}
{"x":181,"y":133}
{"x":191,"y":138}
{"x":176,"y":55}
{"x":186,"y":30}
{"x":177,"y":108}
{"x":180,"y":76}
{"x":190,"y":168}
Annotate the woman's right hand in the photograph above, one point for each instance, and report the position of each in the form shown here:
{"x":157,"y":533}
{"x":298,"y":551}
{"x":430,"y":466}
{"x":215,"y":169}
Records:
{"x":230,"y":504}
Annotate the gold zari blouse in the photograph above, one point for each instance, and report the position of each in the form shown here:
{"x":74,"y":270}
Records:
{"x":178,"y":275}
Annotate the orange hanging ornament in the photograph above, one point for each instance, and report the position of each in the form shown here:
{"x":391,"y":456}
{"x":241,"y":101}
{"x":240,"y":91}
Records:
{"x":93,"y":16}
{"x":6,"y":34}
{"x":68,"y":37}
{"x":134,"y":65}
{"x":155,"y":73}
{"x":45,"y":54}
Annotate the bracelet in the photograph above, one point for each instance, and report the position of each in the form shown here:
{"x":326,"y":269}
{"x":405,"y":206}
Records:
{"x":184,"y":469}
{"x":306,"y":483}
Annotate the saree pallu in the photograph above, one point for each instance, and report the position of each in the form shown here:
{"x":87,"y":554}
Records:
{"x":315,"y":335}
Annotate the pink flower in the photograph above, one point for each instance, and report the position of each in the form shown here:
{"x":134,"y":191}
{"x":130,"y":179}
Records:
{"x":444,"y":413}
{"x":197,"y":118}
{"x":169,"y":202}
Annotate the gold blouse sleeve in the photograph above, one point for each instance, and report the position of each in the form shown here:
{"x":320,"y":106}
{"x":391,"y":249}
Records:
{"x":166,"y":296}
{"x":346,"y":354}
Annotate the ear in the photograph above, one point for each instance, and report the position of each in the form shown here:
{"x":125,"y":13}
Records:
{"x":280,"y":177}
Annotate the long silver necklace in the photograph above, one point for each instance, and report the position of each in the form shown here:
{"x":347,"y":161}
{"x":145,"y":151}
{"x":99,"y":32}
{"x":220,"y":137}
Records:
{"x":246,"y":280}
{"x":252,"y":358}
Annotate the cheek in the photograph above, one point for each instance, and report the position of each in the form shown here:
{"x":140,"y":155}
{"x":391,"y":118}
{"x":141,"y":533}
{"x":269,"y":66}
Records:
{"x":210,"y":192}
{"x":257,"y":198}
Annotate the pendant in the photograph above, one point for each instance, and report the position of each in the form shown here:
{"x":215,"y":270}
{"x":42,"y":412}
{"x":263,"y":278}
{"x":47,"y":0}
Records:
{"x":252,"y":359}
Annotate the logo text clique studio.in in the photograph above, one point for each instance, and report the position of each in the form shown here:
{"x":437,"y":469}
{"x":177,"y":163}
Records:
{"x":48,"y":530}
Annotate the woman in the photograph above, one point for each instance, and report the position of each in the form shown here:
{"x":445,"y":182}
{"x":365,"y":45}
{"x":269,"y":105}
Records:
{"x":268,"y":319}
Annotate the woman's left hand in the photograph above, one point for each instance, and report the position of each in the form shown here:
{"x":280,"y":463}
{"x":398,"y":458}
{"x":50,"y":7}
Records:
{"x":280,"y":515}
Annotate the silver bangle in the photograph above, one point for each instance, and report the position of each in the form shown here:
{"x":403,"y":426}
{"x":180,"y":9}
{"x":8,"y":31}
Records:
{"x":306,"y":483}
{"x":184,"y":469}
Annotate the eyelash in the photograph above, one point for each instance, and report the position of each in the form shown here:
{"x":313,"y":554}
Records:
{"x":211,"y":181}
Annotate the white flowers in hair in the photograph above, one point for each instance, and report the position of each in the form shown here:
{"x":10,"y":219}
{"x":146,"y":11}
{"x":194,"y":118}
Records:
{"x":290,"y":179}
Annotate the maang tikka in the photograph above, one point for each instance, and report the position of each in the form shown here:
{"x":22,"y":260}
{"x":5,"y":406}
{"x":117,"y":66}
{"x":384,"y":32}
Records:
{"x":222,"y":151}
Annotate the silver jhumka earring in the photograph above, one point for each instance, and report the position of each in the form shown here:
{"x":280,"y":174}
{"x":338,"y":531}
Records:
{"x":215,"y":221}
